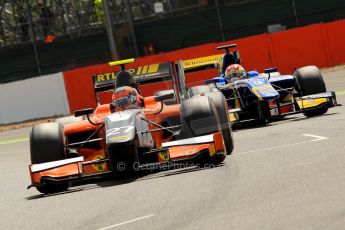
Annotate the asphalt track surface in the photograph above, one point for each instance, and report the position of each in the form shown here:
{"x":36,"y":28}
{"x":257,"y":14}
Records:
{"x":285,"y":175}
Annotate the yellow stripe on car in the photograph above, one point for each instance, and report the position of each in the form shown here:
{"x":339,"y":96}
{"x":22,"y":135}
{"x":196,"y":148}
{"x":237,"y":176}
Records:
{"x":121,"y":62}
{"x":309,"y":103}
{"x":119,"y":138}
{"x":196,"y":62}
{"x":233,"y":117}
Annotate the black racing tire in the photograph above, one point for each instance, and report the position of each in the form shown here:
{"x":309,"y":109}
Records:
{"x":197,"y":90}
{"x":68,"y":120}
{"x":222,"y":109}
{"x":309,"y":81}
{"x":316,"y":112}
{"x":165,"y":92}
{"x":46,"y":145}
{"x":199,"y":117}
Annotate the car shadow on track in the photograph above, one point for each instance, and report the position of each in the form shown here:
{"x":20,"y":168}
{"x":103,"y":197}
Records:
{"x":118,"y":181}
{"x":252,"y":125}
{"x":303,"y":118}
{"x":149,"y":175}
{"x":84,"y":186}
{"x":285,"y":120}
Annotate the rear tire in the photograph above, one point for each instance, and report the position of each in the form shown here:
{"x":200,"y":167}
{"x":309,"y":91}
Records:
{"x":46,"y":145}
{"x":310,"y":81}
{"x":316,"y":112}
{"x":197,"y":90}
{"x":165,"y":92}
{"x":199,"y":117}
{"x":68,"y":120}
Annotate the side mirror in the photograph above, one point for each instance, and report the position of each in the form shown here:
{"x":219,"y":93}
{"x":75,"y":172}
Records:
{"x":165,"y":97}
{"x":83,"y":112}
{"x":212,"y":81}
{"x":271,"y":70}
{"x":216,"y":80}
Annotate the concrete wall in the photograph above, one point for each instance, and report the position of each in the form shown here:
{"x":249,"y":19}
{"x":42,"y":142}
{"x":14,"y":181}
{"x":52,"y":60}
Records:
{"x":33,"y":98}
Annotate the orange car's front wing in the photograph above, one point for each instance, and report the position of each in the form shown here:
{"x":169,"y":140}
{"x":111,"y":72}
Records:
{"x":72,"y":169}
{"x":62,"y":171}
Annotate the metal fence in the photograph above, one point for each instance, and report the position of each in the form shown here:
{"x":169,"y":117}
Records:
{"x":25,"y":20}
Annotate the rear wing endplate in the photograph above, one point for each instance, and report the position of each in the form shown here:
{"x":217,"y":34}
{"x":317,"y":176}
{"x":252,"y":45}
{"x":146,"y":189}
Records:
{"x":201,"y":63}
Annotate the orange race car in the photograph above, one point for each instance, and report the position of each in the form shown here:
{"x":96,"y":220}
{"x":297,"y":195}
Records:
{"x":132,"y":132}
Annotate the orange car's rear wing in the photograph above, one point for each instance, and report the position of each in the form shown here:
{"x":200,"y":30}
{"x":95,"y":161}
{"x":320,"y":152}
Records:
{"x":142,"y":75}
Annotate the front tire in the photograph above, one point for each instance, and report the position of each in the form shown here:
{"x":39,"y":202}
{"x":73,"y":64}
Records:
{"x":199,"y":117}
{"x":46,"y":145}
{"x":222,"y":109}
{"x":309,"y":81}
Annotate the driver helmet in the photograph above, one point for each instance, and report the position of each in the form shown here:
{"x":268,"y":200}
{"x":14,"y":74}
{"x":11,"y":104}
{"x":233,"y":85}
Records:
{"x":234,"y":72}
{"x":126,"y":97}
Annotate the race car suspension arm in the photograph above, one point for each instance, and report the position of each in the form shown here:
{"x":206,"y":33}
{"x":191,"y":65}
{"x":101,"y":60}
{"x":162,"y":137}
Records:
{"x":231,"y":96}
{"x":282,"y":89}
{"x":84,"y":142}
{"x":89,"y":138}
{"x":162,"y":127}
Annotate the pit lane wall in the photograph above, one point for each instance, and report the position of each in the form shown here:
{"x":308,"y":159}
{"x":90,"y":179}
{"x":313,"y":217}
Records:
{"x":33,"y":98}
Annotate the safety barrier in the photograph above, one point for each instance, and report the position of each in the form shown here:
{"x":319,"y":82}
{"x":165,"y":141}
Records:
{"x":33,"y":98}
{"x":319,"y":44}
{"x":57,"y":94}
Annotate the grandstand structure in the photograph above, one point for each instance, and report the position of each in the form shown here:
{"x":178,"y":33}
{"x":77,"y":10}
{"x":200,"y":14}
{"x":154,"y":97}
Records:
{"x":26,"y":20}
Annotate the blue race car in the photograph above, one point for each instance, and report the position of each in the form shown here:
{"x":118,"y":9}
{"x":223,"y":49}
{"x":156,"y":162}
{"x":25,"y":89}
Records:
{"x":252,"y":96}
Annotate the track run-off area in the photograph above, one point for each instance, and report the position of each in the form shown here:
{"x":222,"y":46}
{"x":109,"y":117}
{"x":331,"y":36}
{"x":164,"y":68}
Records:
{"x":285,"y":175}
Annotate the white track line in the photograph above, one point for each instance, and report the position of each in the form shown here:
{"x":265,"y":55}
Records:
{"x":316,"y":138}
{"x":127,"y":222}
